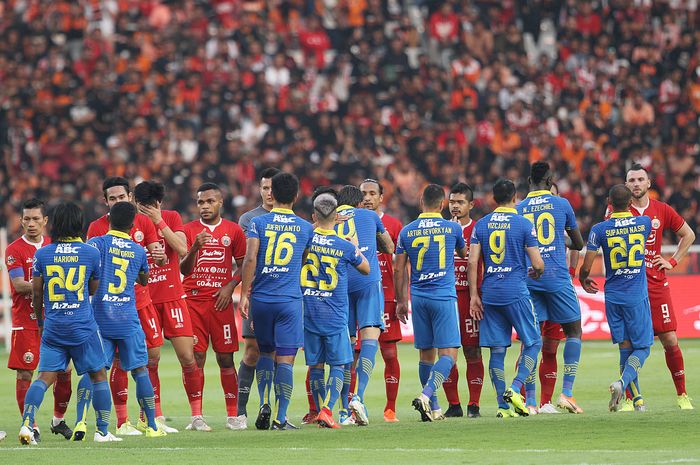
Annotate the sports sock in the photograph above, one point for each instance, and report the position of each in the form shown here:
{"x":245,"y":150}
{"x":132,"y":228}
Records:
{"x":440,"y":371}
{"x":353,"y":379}
{"x":193,"y":381}
{"x":497,"y":361}
{"x":530,"y":390}
{"x":317,"y":387}
{"x":146,"y":396}
{"x":245,"y":381}
{"x":229,"y":382}
{"x":62,"y":391}
{"x":451,"y":386}
{"x":334,"y":386}
{"x":347,"y":381}
{"x":33,"y":400}
{"x":365,"y":364}
{"x":155,"y":382}
{"x":392,"y":374}
{"x":102,"y":402}
{"x":526,"y":366}
{"x":548,"y":370}
{"x":284,"y":384}
{"x":310,"y":392}
{"x":572,"y":355}
{"x":21,"y":388}
{"x":424,"y":369}
{"x":84,"y":398}
{"x":475,"y":379}
{"x":674,"y":362}
{"x":119,"y":384}
{"x":265,"y":370}
{"x":632,"y":391}
{"x":633,"y":364}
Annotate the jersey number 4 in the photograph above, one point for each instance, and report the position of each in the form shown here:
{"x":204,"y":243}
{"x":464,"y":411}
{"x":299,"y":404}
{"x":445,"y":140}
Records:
{"x":59,"y":280}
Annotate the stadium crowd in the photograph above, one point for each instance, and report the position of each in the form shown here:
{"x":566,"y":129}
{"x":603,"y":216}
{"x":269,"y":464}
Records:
{"x":410,"y":91}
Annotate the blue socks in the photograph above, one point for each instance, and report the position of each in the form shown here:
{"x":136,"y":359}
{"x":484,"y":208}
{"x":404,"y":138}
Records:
{"x":526,"y":366}
{"x":633,"y":364}
{"x":334,"y":386}
{"x":102,"y":401}
{"x":318,"y":388}
{"x":284,"y":383}
{"x":424,"y":371}
{"x":438,"y":374}
{"x":531,"y":391}
{"x":145,"y":396}
{"x":572,"y":355}
{"x":365,"y":364}
{"x":497,"y":363}
{"x":345,"y":392}
{"x":264,"y":371}
{"x":32,"y":401}
{"x":84,"y":398}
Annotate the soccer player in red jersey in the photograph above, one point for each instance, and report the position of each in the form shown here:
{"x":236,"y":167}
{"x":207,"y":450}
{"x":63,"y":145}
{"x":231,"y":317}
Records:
{"x":214,"y":245}
{"x":461,"y":202}
{"x":168,"y":297}
{"x":24,"y":352}
{"x":373,"y":193}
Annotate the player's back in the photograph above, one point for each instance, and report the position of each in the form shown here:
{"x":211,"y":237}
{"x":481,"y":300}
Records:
{"x":114,"y":301}
{"x":365,"y":224}
{"x":503,"y":236}
{"x":66,"y":268}
{"x":552,"y":217}
{"x":283,"y":238}
{"x":429,"y":242}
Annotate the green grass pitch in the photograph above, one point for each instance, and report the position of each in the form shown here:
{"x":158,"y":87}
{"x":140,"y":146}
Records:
{"x":663,"y":435}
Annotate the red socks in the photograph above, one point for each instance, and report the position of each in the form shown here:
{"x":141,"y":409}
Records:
{"x":392,"y":373}
{"x":193,"y":381}
{"x":674,"y":361}
{"x":229,"y":381}
{"x":475,"y":379}
{"x":21,"y":387}
{"x":450,"y":386}
{"x":548,"y":370}
{"x":61,"y":394}
{"x":119,"y":385}
{"x":309,"y":393}
{"x":353,"y":380}
{"x":155,"y":381}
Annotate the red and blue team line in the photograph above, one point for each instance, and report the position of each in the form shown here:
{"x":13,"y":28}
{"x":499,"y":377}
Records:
{"x":338,"y":288}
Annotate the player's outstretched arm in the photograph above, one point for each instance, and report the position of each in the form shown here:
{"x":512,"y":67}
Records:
{"x":384,"y":242}
{"x":401,"y":287}
{"x":537,"y":264}
{"x":250,"y":262}
{"x":588,"y":284}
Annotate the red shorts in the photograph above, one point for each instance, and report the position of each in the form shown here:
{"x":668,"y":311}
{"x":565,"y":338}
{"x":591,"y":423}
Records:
{"x":150,"y":323}
{"x":392,"y":325}
{"x":24,"y":353}
{"x":553,"y":330}
{"x":468,"y":326}
{"x":662,"y":315}
{"x":208,"y":323}
{"x":175,"y":318}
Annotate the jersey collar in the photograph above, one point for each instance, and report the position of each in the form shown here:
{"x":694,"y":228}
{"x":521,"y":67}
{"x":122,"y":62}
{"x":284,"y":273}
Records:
{"x":114,"y":232}
{"x":345,"y":207}
{"x":325,"y":232}
{"x":538,"y":193}
{"x":282,"y":210}
{"x":506,"y":210}
{"x":70,"y":239}
{"x":37,"y":245}
{"x":211,"y":227}
{"x":621,"y":215}
{"x":430,"y":215}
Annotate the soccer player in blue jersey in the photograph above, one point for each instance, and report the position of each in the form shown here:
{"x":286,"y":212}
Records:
{"x":276,"y":249}
{"x":504,"y":239}
{"x":64,"y":274}
{"x":553,"y":295}
{"x":124,"y":263}
{"x":324,"y":281}
{"x":429,"y":243}
{"x":366,"y":297}
{"x":622,"y":238}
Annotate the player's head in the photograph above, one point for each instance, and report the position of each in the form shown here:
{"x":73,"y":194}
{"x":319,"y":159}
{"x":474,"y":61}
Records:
{"x":210,"y":200}
{"x":461,"y":200}
{"x":149,"y":193}
{"x":540,"y":176}
{"x":433,"y":198}
{"x":121,"y":216}
{"x":372,"y":193}
{"x":620,"y":197}
{"x":266,"y":186}
{"x":33,"y":218}
{"x":67,"y":222}
{"x":116,"y":189}
{"x":325,"y":207}
{"x":638,"y":181}
{"x":350,"y":195}
{"x":504,"y":192}
{"x":285,"y":188}
{"x":323,"y":190}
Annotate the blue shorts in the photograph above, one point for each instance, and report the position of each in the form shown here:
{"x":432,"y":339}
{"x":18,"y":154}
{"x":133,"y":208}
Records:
{"x":88,"y":357}
{"x":132,"y":351}
{"x":496,"y":329}
{"x":435,"y":323}
{"x":278,"y":325}
{"x":558,"y":307}
{"x":334,"y":349}
{"x":366,"y":308}
{"x":631,"y":322}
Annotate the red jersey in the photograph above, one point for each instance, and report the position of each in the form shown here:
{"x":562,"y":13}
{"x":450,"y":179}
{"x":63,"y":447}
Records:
{"x":143,"y":233}
{"x":19,"y":257}
{"x":164,"y":282}
{"x":214,"y":266}
{"x":386,"y":263}
{"x":461,"y":280}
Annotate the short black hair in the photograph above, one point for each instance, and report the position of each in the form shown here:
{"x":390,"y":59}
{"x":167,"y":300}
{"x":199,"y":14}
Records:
{"x":463,"y":188}
{"x":208,"y":186}
{"x":620,"y":197}
{"x":539,"y":171}
{"x":34,"y":203}
{"x":149,"y":192}
{"x":323,"y":190}
{"x":433,"y":195}
{"x":381,"y":188}
{"x":636,"y":167}
{"x":503,"y":191}
{"x":269,"y":173}
{"x":350,"y":195}
{"x":67,"y":221}
{"x":285,"y":187}
{"x":115,"y":181}
{"x":121,"y":216}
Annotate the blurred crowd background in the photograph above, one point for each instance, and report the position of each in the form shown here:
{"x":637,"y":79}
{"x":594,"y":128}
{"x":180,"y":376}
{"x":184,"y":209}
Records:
{"x":407,"y":91}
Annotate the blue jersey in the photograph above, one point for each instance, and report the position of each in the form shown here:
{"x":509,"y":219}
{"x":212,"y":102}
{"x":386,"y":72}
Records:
{"x":366,"y":225}
{"x":324,"y":280}
{"x":430,"y":242}
{"x":115,"y":299}
{"x":283,"y":238}
{"x":67,"y":268}
{"x":503,"y":236}
{"x":552,"y":217}
{"x":622,"y":238}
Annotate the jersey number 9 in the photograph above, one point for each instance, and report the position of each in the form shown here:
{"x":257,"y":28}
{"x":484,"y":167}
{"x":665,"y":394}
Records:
{"x":621,"y":256}
{"x":59,"y":280}
{"x":497,"y":244}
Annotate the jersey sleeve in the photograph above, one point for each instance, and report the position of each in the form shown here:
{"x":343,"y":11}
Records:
{"x":672,"y":220}
{"x":150,"y":235}
{"x":378,"y":222}
{"x":530,"y":233}
{"x":253,"y":229}
{"x":457,"y":230}
{"x":399,"y":244}
{"x":91,"y":230}
{"x":474,"y":239}
{"x":96,"y":264}
{"x":594,"y":239}
{"x":353,"y":254}
{"x":238,"y":245}
{"x":244,"y":222}
{"x":175,"y":222}
{"x":310,"y":233}
{"x":36,"y":265}
{"x":571,"y":223}
{"x":13,"y":262}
